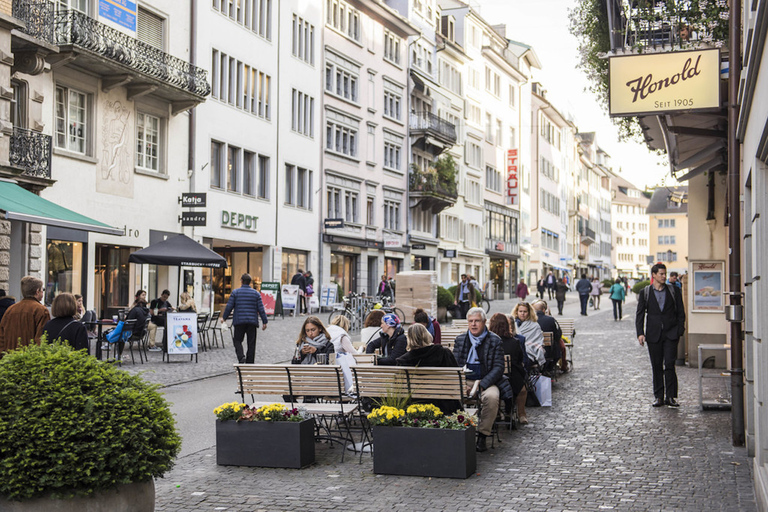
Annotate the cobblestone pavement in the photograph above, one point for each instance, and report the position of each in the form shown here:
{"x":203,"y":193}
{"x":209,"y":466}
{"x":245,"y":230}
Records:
{"x":600,"y":447}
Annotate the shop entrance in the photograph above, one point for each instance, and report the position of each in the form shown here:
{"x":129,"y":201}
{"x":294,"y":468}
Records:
{"x":239,"y":261}
{"x":344,"y":271}
{"x":112,"y":280}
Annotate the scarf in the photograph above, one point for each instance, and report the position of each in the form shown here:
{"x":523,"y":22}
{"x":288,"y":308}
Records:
{"x":431,"y":327}
{"x":475,"y":342}
{"x":534,"y":339}
{"x":320,"y":342}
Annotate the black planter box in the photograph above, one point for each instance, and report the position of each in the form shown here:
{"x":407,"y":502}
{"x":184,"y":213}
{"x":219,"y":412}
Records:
{"x":432,"y":452}
{"x":270,"y":444}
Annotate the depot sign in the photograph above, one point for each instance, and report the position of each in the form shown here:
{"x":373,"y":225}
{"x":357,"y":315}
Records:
{"x":235,"y":220}
{"x":656,"y":83}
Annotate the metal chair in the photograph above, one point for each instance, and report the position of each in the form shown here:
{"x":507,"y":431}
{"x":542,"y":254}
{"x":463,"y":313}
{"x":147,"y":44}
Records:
{"x":202,"y":332}
{"x":128,"y":326}
{"x":213,"y":328}
{"x":136,"y":336}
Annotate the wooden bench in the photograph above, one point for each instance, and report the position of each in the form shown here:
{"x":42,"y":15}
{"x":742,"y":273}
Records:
{"x":460,"y":323}
{"x":567,"y":325}
{"x":420,"y":383}
{"x":365,"y":359}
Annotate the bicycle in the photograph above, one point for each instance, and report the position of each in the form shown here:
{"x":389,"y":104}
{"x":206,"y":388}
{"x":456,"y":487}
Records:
{"x":485,"y":303}
{"x":389,"y":307}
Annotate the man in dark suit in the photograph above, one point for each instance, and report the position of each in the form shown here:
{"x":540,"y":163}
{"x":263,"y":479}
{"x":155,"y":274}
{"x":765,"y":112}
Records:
{"x":548,"y":324}
{"x":660,"y":321}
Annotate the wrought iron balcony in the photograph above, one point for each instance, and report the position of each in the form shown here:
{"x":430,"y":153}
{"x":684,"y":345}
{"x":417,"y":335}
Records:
{"x":429,"y":124}
{"x":114,"y":55}
{"x":31,"y":151}
{"x":431,"y":191}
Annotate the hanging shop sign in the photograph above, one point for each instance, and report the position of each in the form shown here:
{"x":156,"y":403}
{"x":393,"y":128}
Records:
{"x":333,"y":223}
{"x":512,"y":181}
{"x":194,"y":199}
{"x":653,"y":83}
{"x":193,"y":218}
{"x":235,"y":220}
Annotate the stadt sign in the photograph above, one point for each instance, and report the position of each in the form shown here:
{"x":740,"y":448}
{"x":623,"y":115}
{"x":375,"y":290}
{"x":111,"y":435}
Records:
{"x":655,"y":83}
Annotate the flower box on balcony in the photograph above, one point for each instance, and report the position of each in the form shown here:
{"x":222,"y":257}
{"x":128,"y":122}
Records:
{"x":271,"y":444}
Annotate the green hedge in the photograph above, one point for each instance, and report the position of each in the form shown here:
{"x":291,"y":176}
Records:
{"x":71,"y":425}
{"x":607,"y":283}
{"x":444,"y":297}
{"x":640,"y":285}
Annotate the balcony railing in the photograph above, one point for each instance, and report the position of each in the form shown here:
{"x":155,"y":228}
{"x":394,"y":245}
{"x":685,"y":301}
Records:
{"x":429,"y":122}
{"x":64,"y":27}
{"x":31,"y":151}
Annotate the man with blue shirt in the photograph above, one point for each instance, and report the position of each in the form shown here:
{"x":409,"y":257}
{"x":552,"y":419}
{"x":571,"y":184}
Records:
{"x":482,"y":353}
{"x":465,"y":293}
{"x":247,"y":305}
{"x":660,"y":321}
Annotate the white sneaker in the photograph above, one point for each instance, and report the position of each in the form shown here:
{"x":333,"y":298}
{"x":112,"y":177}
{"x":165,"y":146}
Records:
{"x":155,"y":349}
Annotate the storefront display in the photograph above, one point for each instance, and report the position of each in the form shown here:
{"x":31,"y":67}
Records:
{"x":344,"y":271}
{"x":113,"y":278}
{"x":239,"y":261}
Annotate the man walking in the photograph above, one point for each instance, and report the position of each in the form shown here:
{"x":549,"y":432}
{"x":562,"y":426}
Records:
{"x":584,"y":287}
{"x":23,"y":322}
{"x":300,"y":281}
{"x":660,"y":321}
{"x":550,"y":285}
{"x":465,"y":293}
{"x":246,"y":302}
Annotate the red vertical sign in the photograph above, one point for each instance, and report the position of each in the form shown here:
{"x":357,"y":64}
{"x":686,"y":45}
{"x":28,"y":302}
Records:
{"x":512,"y":181}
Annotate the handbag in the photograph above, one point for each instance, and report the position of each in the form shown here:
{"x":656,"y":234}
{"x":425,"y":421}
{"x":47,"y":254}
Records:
{"x":309,"y":290}
{"x":543,"y":390}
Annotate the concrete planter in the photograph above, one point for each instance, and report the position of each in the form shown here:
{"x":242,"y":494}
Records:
{"x":432,"y":452}
{"x":136,"y":497}
{"x":270,"y":444}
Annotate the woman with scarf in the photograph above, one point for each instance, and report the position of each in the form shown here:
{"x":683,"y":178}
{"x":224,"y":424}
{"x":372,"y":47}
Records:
{"x":432,"y":325}
{"x":392,"y":341}
{"x":527,"y":325}
{"x":513,"y":347}
{"x":313,"y":339}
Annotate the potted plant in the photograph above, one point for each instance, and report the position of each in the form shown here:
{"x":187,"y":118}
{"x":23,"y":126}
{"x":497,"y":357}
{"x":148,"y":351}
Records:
{"x":79,"y":434}
{"x":270,"y":436}
{"x":422,"y":441}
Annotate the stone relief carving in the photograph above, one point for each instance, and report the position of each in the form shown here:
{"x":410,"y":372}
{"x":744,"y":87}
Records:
{"x":116,"y":176}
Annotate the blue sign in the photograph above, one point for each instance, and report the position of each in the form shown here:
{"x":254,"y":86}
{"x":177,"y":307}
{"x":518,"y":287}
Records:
{"x":121,"y":12}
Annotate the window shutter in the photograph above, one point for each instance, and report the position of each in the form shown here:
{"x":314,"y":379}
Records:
{"x":149,"y":29}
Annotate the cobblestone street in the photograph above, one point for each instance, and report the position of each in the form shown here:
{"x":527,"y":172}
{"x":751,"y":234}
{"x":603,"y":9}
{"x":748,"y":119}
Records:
{"x":600,"y":447}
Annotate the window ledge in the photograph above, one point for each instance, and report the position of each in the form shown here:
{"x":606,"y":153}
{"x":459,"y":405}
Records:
{"x":152,"y":174}
{"x":342,"y":155}
{"x":394,"y":171}
{"x":76,"y":156}
{"x":393,"y":119}
{"x":339,"y":97}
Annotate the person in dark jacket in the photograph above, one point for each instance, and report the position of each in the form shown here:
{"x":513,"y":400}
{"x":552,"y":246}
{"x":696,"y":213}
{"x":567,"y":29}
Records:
{"x":541,"y":287}
{"x":299,"y":280}
{"x":660,"y":321}
{"x":464,"y":295}
{"x":64,"y":325}
{"x":522,"y":290}
{"x":140,"y":313}
{"x":482,"y":353}
{"x":514,"y":347}
{"x":159,"y":306}
{"x":392,"y":341}
{"x":548,"y":324}
{"x":433,"y":326}
{"x":560,"y":290}
{"x":247,"y":306}
{"x":422,"y":352}
{"x":6,"y":301}
{"x":584,"y":287}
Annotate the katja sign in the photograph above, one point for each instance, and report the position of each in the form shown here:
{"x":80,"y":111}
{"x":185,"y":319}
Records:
{"x":656,"y":83}
{"x":512,"y":181}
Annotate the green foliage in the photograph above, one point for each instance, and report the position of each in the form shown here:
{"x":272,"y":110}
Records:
{"x":639,"y":286}
{"x":444,"y":297}
{"x":72,"y":425}
{"x":607,"y":283}
{"x":447,"y":172}
{"x":395,"y":398}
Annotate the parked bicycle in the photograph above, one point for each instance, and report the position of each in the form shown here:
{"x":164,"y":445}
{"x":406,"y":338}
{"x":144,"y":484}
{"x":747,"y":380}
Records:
{"x":388,"y":306}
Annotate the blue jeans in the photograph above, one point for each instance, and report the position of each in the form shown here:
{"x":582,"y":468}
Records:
{"x":584,"y":298}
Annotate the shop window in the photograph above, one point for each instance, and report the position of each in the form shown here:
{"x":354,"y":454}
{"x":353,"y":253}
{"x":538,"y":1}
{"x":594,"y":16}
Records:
{"x":65,"y":269}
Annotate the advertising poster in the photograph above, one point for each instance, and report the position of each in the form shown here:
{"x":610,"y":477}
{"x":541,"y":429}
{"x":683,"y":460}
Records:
{"x":182,"y":333}
{"x":328,"y":296}
{"x":269,"y":295}
{"x":290,"y":293}
{"x":708,"y":286}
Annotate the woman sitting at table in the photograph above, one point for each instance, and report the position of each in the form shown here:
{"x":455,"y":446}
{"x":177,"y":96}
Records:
{"x":339,"y":335}
{"x":514,"y":349}
{"x":527,"y":325}
{"x":64,"y":325}
{"x":140,"y":313}
{"x":392,"y":341}
{"x":371,"y":328}
{"x":314,"y":339}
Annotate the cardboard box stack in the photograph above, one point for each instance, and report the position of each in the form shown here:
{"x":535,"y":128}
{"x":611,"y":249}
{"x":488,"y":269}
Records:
{"x":416,"y":289}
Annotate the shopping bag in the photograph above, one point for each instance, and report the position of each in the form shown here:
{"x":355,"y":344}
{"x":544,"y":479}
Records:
{"x":543,"y":389}
{"x":345,"y":361}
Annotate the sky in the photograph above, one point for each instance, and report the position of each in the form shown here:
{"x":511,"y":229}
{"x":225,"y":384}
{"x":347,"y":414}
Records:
{"x":544,"y":25}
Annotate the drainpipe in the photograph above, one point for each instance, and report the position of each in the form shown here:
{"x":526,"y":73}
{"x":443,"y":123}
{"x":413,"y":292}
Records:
{"x":734,"y":225}
{"x":276,"y":116}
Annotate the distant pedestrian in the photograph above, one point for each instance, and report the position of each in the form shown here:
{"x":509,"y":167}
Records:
{"x":384,"y":289}
{"x":597,"y":290}
{"x":465,"y":294}
{"x":550,"y":285}
{"x":584,"y":287}
{"x":299,"y":280}
{"x":560,"y":290}
{"x":660,"y":320}
{"x":24,"y":321}
{"x":6,"y":301}
{"x":541,"y":287}
{"x":617,"y":295}
{"x":309,"y":289}
{"x":522,"y":290}
{"x":248,"y":307}
{"x":674,"y":278}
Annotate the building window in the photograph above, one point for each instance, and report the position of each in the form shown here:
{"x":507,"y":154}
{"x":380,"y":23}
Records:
{"x":499,"y":130}
{"x":473,"y":237}
{"x":233,"y":168}
{"x":391,"y":215}
{"x":341,"y":139}
{"x":492,"y":179}
{"x":472,"y":192}
{"x":148,"y":141}
{"x":666,"y":256}
{"x":392,"y":103}
{"x":255,"y":15}
{"x":350,"y":206}
{"x":549,"y":202}
{"x":217,"y":149}
{"x":334,"y":203}
{"x":249,"y":173}
{"x":474,"y":155}
{"x":392,"y":153}
{"x":298,"y":187}
{"x":240,"y":85}
{"x":150,"y":29}
{"x":263,"y":177}
{"x":548,"y":170}
{"x":449,"y":76}
{"x":341,"y":82}
{"x":370,"y":211}
{"x":488,"y":127}
{"x":392,"y":45}
{"x":512,"y":95}
{"x":252,"y":181}
{"x":303,"y":40}
{"x":667,"y":240}
{"x":666,"y":223}
{"x":450,"y":227}
{"x":342,"y":17}
{"x":303,"y":114}
{"x":72,"y":116}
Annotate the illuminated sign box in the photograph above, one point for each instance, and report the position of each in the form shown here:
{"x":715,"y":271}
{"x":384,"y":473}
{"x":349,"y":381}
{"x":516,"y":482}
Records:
{"x":658,"y":83}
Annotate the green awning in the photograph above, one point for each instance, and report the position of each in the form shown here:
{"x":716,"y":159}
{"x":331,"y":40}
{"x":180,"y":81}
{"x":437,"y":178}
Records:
{"x":17,"y":203}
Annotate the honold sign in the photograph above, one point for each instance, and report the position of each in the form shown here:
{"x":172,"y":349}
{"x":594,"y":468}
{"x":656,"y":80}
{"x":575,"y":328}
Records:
{"x":664,"y":82}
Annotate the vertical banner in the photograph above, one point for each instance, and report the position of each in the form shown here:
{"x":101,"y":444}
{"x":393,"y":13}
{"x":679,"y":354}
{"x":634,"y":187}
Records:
{"x":512,"y":181}
{"x":270,"y":292}
{"x":182,"y":333}
{"x":290,"y":296}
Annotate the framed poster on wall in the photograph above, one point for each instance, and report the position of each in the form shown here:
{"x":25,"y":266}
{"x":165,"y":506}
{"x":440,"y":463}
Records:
{"x":707,"y":286}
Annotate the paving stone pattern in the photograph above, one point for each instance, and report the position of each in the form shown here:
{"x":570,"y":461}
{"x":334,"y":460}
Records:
{"x":600,"y":447}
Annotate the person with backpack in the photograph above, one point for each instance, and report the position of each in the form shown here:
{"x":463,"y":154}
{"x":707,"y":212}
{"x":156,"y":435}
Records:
{"x":617,"y":295}
{"x":660,"y":321}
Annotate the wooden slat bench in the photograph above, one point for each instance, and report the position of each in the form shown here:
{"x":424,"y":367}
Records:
{"x":567,"y":325}
{"x":460,"y":323}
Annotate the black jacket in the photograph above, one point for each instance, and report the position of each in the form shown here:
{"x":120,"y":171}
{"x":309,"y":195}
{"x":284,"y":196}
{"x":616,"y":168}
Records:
{"x":69,"y":330}
{"x":300,"y":280}
{"x":560,"y":290}
{"x":549,"y":324}
{"x":391,"y":348}
{"x":490,"y":353}
{"x":433,"y":355}
{"x":653,"y":323}
{"x":140,"y":314}
{"x":5,"y":303}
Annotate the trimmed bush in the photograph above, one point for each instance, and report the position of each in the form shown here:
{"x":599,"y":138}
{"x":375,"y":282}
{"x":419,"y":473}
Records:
{"x":444,"y":297}
{"x":607,"y":283}
{"x":639,"y":286}
{"x":71,"y":425}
